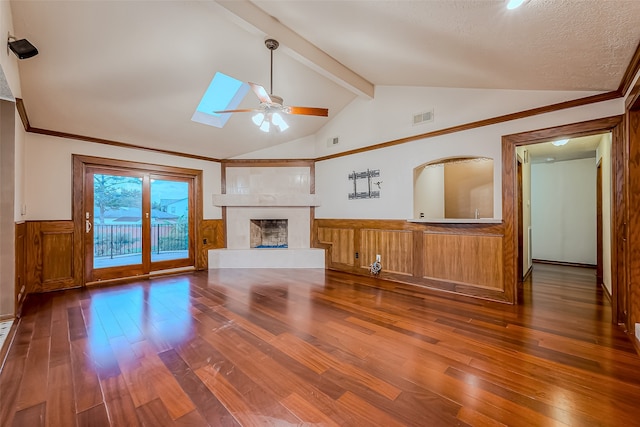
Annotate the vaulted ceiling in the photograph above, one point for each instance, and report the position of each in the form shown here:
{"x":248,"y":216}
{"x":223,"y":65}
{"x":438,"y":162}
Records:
{"x":134,"y":71}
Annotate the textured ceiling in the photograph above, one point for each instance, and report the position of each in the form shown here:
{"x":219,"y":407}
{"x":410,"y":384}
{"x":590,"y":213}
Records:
{"x":134,"y":71}
{"x":577,"y":148}
{"x":477,"y":44}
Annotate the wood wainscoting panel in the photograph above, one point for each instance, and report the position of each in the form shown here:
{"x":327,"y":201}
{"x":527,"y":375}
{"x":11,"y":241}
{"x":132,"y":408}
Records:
{"x":51,"y":262}
{"x":342,"y":244}
{"x":57,"y":259}
{"x":462,"y":258}
{"x":474,"y":260}
{"x":395,"y":248}
{"x":21,"y":280}
{"x":211,"y":237}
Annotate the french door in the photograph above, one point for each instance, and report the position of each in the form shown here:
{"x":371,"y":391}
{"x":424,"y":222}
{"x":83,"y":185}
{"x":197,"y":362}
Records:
{"x":136,"y":222}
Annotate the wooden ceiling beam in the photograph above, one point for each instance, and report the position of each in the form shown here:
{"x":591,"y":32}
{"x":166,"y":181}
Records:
{"x":296,"y":46}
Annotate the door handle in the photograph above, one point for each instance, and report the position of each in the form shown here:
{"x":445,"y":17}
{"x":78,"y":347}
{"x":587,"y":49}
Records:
{"x":87,"y":225}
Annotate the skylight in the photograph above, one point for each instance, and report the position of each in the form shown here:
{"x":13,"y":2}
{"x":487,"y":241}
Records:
{"x":514,"y":4}
{"x":223,"y":93}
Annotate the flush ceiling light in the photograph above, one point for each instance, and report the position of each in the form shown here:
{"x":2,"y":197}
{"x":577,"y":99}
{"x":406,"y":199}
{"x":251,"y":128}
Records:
{"x":514,"y":4}
{"x":560,"y":142}
{"x":22,"y":48}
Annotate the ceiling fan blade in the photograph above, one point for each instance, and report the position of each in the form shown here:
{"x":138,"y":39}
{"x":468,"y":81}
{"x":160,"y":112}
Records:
{"x":307,"y":111}
{"x":246,"y":110}
{"x":261,"y":93}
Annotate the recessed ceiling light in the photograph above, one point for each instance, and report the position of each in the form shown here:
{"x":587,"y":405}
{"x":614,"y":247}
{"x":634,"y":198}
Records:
{"x":560,"y":142}
{"x":514,"y":4}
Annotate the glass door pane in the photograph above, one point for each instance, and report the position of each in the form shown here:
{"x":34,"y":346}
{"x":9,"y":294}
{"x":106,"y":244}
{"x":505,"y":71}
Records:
{"x":170,"y":218}
{"x":117,"y":220}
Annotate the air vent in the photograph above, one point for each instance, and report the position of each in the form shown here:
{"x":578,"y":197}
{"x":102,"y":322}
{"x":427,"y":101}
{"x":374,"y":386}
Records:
{"x":332,"y":141}
{"x":424,"y":117}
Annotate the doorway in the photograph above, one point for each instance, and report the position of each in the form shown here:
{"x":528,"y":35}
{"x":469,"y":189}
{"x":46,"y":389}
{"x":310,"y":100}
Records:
{"x":564,"y":200}
{"x":511,"y":217}
{"x":135,"y":219}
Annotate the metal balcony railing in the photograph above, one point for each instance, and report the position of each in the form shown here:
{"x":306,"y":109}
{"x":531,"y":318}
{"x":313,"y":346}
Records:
{"x":111,"y":240}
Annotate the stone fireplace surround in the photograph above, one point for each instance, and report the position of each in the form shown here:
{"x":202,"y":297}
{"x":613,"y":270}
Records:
{"x":267,"y":193}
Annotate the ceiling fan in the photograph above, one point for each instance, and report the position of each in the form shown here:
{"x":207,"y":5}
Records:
{"x":272,"y":105}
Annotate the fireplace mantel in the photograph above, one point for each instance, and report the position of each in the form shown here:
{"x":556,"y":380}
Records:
{"x":266,"y":200}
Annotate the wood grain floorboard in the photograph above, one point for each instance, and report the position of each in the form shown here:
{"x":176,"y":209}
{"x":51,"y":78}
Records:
{"x":94,"y":417}
{"x":62,"y":410}
{"x":206,"y":402}
{"x":32,"y":416}
{"x":263,"y":347}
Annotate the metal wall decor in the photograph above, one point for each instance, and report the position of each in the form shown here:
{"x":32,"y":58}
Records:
{"x":359,"y":189}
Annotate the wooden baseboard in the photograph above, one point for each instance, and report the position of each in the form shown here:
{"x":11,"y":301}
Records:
{"x":566,"y":264}
{"x":528,"y":273}
{"x":4,"y":350}
{"x":606,"y":291}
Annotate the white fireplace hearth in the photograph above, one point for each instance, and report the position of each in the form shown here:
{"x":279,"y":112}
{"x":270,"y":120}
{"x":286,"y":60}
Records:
{"x":257,"y":195}
{"x":266,"y":258}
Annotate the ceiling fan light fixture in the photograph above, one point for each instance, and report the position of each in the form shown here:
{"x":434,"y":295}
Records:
{"x":258,"y":119}
{"x":278,"y":121}
{"x":265,"y":121}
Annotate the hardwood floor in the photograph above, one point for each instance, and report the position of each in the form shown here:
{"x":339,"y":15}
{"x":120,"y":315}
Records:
{"x":315,"y":347}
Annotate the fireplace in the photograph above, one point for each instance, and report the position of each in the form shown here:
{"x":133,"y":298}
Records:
{"x":268,"y":233}
{"x":268,"y":219}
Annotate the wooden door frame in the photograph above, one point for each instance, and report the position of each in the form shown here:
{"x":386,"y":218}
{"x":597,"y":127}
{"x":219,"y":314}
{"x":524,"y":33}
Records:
{"x":520,"y":209}
{"x":615,"y":125}
{"x":631,"y":308}
{"x":81,"y":163}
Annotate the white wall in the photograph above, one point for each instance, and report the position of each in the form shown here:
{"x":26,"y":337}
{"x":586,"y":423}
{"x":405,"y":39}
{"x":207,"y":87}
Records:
{"x":11,"y":149}
{"x":7,"y":225}
{"x":428,"y":192}
{"x":390,"y":115}
{"x":396,"y":163}
{"x":603,"y":155}
{"x":563,"y":211}
{"x":49,"y":174}
{"x":8,"y":60}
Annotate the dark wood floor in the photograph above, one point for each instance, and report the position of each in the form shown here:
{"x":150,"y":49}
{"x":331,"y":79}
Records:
{"x":292,"y":347}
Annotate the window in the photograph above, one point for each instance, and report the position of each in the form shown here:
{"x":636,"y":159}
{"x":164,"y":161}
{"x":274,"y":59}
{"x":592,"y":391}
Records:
{"x":223,"y":93}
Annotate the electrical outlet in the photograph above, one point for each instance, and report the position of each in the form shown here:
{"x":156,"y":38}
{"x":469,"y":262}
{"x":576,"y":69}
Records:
{"x":378,"y":258}
{"x":357,"y":255}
